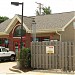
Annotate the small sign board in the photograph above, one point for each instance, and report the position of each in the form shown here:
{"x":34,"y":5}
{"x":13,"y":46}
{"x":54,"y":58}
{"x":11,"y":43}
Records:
{"x":49,"y":49}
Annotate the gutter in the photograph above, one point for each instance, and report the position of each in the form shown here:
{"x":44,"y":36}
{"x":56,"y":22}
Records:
{"x":59,"y":34}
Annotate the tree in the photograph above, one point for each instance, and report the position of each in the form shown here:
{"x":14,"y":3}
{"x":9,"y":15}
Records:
{"x":2,"y":19}
{"x":46,"y":10}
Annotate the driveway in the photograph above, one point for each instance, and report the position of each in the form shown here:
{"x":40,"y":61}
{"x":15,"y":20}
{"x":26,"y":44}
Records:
{"x":4,"y":68}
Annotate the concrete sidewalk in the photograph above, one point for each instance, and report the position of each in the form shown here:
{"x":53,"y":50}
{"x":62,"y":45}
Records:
{"x":4,"y":67}
{"x":35,"y":73}
{"x":39,"y":72}
{"x":48,"y":72}
{"x":45,"y":72}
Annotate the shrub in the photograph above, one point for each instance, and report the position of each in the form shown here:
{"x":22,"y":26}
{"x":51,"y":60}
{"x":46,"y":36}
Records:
{"x":25,"y":58}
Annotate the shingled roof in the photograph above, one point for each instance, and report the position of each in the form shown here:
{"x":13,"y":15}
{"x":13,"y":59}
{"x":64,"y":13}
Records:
{"x":53,"y":21}
{"x":27,"y":21}
{"x":44,"y":22}
{"x":4,"y":25}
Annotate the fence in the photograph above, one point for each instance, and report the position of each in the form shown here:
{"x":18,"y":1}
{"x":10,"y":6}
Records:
{"x":62,"y":58}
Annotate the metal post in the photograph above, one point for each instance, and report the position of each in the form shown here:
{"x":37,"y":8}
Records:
{"x":39,"y":7}
{"x":34,"y":30}
{"x":22,"y":26}
{"x":17,"y":4}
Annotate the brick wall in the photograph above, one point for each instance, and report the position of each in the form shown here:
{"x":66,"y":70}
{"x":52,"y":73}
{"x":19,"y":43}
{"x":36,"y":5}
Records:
{"x":28,"y":40}
{"x":11,"y":41}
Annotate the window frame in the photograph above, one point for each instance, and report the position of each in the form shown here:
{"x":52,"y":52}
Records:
{"x":19,"y":35}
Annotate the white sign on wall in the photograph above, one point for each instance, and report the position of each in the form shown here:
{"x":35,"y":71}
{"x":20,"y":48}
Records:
{"x":49,"y":49}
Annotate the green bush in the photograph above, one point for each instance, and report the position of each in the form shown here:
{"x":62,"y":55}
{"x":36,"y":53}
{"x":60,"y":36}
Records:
{"x":25,"y":58}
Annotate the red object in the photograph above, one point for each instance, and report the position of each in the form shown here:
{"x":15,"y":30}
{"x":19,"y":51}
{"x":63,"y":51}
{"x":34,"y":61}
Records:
{"x":51,"y":36}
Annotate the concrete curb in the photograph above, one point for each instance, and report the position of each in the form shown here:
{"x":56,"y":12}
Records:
{"x":16,"y":70}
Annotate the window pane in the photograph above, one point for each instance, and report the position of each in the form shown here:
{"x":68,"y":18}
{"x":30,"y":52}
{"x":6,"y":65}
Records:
{"x":0,"y":50}
{"x":0,"y":41}
{"x":4,"y":50}
{"x":17,"y":32}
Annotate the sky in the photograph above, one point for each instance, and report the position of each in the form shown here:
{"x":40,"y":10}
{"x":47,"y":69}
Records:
{"x":57,"y":6}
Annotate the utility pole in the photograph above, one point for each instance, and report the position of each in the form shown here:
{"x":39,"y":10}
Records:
{"x":39,"y":7}
{"x":34,"y":30}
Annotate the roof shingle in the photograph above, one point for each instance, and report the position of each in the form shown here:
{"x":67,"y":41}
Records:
{"x":4,"y":25}
{"x":53,"y":21}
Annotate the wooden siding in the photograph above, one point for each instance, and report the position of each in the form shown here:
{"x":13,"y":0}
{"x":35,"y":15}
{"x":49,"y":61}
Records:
{"x":68,"y":34}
